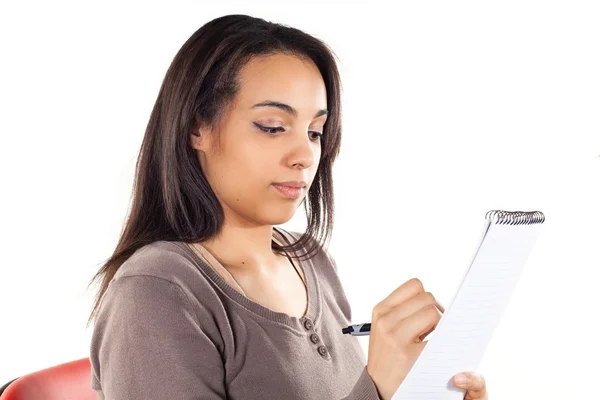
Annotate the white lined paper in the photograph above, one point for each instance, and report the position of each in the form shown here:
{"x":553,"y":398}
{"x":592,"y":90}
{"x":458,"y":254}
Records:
{"x":465,"y":329}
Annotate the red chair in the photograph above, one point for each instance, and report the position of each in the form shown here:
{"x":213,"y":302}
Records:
{"x":68,"y":381}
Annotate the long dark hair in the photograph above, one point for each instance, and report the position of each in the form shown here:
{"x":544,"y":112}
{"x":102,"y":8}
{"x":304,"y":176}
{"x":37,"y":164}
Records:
{"x":171,"y":198}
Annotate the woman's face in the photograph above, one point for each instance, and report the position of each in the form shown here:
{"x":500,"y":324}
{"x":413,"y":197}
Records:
{"x":260,"y":145}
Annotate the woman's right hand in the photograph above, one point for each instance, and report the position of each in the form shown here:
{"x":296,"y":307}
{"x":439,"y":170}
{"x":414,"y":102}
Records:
{"x":399,"y":324}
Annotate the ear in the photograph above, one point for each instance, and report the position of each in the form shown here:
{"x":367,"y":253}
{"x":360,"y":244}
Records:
{"x":201,"y":139}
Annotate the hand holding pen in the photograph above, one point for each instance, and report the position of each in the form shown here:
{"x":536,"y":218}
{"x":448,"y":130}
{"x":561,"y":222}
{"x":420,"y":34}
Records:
{"x":399,"y":324}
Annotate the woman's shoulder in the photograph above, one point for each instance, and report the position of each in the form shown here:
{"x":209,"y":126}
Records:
{"x":164,"y":269}
{"x":160,"y":259}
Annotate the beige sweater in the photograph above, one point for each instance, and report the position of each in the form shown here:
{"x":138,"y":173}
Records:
{"x":171,"y":327}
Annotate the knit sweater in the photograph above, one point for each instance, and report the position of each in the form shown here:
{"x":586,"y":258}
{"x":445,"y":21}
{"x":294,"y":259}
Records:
{"x":170,"y":327}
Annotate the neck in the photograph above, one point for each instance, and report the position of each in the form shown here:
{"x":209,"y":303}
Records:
{"x":243,"y":247}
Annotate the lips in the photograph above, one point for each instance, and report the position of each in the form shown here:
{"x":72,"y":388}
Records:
{"x":291,"y":190}
{"x":292,"y":184}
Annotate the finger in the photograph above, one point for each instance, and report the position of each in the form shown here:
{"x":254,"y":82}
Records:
{"x":411,"y":306}
{"x":408,"y":290}
{"x":473,"y":382}
{"x":423,"y":336}
{"x":417,"y":325}
{"x":402,"y":293}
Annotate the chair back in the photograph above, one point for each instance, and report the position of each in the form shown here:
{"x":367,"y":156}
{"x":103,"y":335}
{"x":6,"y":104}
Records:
{"x":68,"y":381}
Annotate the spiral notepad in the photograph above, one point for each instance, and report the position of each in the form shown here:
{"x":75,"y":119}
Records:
{"x":459,"y":341}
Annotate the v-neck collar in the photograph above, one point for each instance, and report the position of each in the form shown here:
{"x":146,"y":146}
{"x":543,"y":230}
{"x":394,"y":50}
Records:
{"x":313,"y":310}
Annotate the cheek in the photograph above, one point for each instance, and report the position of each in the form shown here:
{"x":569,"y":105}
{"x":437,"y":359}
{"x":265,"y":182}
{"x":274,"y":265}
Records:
{"x":242,"y":171}
{"x":252,"y":164}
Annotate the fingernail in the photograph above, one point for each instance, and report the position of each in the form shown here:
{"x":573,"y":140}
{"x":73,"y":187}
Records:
{"x":461,"y":379}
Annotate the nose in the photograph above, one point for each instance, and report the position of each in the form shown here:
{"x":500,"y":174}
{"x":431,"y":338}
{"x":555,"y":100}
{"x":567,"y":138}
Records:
{"x":303,"y":152}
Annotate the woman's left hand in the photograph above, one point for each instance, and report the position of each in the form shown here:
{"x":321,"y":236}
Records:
{"x":475,"y":385}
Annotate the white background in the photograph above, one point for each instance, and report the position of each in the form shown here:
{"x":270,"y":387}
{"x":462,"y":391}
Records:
{"x":450,"y":109}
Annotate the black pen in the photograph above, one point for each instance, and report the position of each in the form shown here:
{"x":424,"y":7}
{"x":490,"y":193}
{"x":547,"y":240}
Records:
{"x":358,"y":329}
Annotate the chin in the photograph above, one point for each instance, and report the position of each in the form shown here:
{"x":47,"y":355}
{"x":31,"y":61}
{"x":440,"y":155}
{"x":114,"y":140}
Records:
{"x":278,"y":215}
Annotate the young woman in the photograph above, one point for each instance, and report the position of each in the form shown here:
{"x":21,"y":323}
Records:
{"x":204,"y":297}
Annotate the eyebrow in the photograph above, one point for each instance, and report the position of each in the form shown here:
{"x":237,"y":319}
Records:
{"x":285,"y":107}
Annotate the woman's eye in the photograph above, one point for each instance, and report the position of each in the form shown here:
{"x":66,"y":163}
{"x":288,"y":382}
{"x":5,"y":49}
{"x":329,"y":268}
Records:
{"x":271,"y":130}
{"x":274,"y":130}
{"x":314,"y":135}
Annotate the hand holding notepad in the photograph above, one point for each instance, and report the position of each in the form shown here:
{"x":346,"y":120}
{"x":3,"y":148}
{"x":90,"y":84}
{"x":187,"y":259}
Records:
{"x":462,"y":334}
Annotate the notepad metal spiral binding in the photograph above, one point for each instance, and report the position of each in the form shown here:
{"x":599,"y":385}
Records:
{"x":459,"y":340}
{"x":515,"y":217}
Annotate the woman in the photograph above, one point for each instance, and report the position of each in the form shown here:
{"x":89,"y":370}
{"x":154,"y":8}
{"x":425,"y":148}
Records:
{"x":204,"y":297}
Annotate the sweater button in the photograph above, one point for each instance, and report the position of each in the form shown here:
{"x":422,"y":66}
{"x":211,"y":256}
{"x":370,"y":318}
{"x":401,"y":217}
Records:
{"x":322,"y":350}
{"x":314,"y":338}
{"x":308,"y":325}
